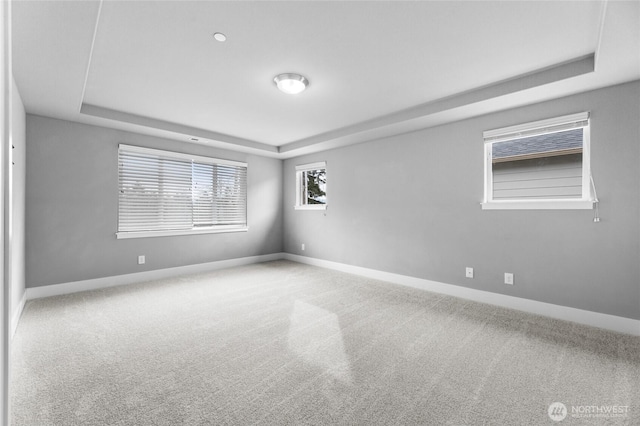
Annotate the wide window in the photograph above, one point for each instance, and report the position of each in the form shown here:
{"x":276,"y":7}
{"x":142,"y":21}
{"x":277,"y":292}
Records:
{"x":169,"y":193}
{"x":311,"y":186}
{"x":539,"y":165}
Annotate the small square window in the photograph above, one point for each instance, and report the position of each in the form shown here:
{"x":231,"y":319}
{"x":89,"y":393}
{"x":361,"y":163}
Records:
{"x":311,"y":186}
{"x":540,"y":165}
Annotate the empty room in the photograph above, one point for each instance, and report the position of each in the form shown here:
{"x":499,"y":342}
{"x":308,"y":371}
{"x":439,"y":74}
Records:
{"x":320,"y":212}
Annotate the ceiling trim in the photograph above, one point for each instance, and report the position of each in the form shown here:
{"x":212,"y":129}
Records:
{"x":93,"y":43}
{"x":603,"y":15}
{"x":359,"y":132}
{"x":554,"y":73}
{"x":188,"y":131}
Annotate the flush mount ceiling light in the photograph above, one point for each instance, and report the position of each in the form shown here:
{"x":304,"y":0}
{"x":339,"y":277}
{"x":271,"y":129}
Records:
{"x":290,"y":83}
{"x":220,"y":37}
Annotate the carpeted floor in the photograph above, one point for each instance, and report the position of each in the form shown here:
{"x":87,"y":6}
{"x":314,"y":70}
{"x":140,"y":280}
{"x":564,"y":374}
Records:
{"x":283,"y":343}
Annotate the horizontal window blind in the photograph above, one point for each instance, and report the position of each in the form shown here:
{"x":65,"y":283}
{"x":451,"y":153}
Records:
{"x":558,"y":124}
{"x":167,"y":191}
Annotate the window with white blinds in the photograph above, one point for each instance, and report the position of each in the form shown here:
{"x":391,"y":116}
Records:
{"x":168,"y":193}
{"x":544,"y":164}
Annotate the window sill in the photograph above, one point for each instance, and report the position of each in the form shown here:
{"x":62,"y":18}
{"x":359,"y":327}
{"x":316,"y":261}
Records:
{"x":146,"y":234}
{"x":538,"y":205}
{"x":312,"y":207}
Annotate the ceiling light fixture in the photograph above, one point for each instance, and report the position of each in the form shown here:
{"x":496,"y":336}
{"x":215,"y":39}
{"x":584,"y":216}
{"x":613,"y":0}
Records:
{"x":291,"y":83}
{"x":220,"y":37}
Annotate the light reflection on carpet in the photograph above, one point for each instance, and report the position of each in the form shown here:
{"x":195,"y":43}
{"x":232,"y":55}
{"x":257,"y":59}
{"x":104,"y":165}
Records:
{"x":315,"y":336}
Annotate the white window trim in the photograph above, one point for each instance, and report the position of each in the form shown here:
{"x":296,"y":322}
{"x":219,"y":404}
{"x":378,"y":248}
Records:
{"x":587,"y":200}
{"x":219,"y":229}
{"x":310,"y":207}
{"x":304,"y":168}
{"x":203,"y":230}
{"x":538,"y":205}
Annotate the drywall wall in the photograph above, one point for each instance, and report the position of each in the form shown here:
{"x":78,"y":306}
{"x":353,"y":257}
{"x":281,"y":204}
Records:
{"x":410,"y":205}
{"x":18,"y":127}
{"x":72,"y":207}
{"x":5,"y":136}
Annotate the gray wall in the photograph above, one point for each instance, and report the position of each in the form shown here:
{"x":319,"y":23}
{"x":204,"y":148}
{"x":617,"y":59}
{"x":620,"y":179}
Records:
{"x":411,"y":205}
{"x":72,"y":207}
{"x":18,"y":123}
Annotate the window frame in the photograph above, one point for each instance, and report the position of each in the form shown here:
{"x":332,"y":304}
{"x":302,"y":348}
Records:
{"x":541,"y":127}
{"x":300,"y":169}
{"x":212,"y":229}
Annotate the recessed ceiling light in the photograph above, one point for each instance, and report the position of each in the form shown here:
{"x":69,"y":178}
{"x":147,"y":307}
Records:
{"x":291,"y":83}
{"x":220,"y":37}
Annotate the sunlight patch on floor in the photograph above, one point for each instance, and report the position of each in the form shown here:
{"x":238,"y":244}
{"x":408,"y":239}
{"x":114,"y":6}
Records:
{"x":315,"y":336}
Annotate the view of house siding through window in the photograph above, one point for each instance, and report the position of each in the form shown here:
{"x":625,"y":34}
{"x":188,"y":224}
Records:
{"x":547,"y":166}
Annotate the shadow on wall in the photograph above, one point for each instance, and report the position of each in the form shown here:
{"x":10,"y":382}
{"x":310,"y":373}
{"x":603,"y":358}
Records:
{"x":265,"y":216}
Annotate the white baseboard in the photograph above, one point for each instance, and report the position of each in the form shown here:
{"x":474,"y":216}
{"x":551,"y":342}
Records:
{"x":97,"y":283}
{"x":15,"y":318}
{"x":594,"y":319}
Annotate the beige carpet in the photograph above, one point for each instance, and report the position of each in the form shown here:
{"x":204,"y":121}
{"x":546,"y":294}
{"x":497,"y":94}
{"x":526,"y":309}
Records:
{"x":282,"y":343}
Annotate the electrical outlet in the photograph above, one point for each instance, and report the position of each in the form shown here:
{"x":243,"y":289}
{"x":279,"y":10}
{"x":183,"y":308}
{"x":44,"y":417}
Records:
{"x":508,"y":278}
{"x":469,"y":272}
{"x":302,"y":246}
{"x":141,"y":260}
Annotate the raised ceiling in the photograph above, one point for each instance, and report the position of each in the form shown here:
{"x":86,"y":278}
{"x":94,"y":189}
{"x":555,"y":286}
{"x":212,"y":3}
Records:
{"x":375,"y":68}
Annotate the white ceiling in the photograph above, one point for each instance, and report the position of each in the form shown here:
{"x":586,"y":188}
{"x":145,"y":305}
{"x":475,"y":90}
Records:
{"x":375,"y":68}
